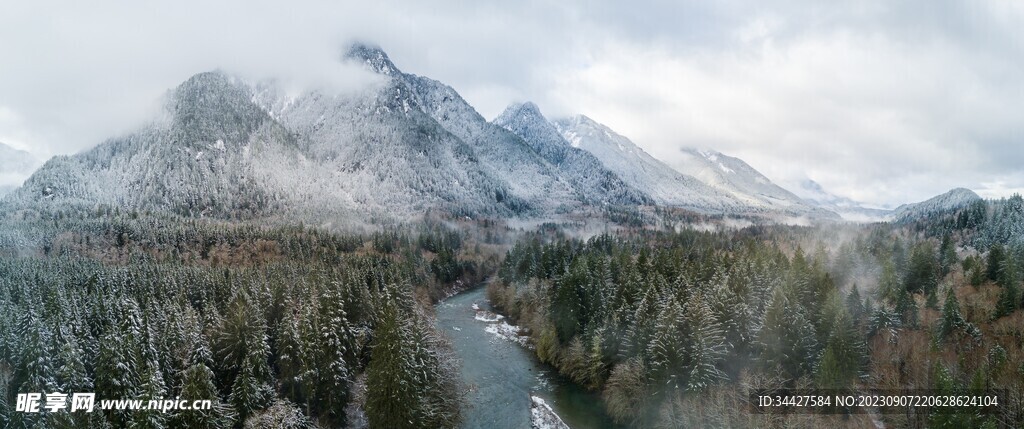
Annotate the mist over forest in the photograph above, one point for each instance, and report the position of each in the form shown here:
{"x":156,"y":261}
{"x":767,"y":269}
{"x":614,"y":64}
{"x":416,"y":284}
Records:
{"x":354,"y":245}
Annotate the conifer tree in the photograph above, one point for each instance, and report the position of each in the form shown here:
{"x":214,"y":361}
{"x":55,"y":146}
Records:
{"x":666,"y":354}
{"x":845,"y":351}
{"x":947,"y":255}
{"x":952,"y":320}
{"x":787,"y":338}
{"x":330,"y":358}
{"x":391,"y":399}
{"x":995,"y":258}
{"x":198,"y":384}
{"x":243,"y":349}
{"x":704,"y":345}
{"x":922,"y":275}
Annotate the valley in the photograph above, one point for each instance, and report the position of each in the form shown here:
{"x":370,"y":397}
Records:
{"x":388,"y":258}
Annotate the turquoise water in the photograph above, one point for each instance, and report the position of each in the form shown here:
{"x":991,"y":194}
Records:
{"x":502,"y":374}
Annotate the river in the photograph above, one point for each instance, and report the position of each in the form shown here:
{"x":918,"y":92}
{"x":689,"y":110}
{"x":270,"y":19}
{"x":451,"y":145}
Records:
{"x":502,"y":374}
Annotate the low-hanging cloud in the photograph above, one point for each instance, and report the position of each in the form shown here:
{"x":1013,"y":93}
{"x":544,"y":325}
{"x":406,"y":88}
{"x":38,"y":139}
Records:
{"x":882,"y":102}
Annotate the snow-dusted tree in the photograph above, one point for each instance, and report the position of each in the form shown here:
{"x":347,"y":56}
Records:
{"x":953,"y":321}
{"x":845,"y":351}
{"x":667,"y":351}
{"x":391,"y":399}
{"x":329,"y":359}
{"x":198,"y":384}
{"x":243,"y":349}
{"x":704,"y":345}
{"x":787,"y":339}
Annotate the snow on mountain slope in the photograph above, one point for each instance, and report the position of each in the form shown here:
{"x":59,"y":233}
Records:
{"x":737,"y":178}
{"x":383,"y":150}
{"x":15,"y":166}
{"x":641,"y":170}
{"x":529,"y":177}
{"x":192,"y":160}
{"x":846,"y":208}
{"x":232,"y":149}
{"x":216,"y":152}
{"x":954,"y":199}
{"x":589,"y":177}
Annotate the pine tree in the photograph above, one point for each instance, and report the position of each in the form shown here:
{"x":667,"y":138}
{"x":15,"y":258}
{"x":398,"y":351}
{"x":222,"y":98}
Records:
{"x":666,"y":354}
{"x":845,"y":351}
{"x":119,"y":366}
{"x":888,"y":283}
{"x":567,"y":308}
{"x":330,"y":359}
{"x":946,"y":384}
{"x":152,"y":389}
{"x":391,"y":399}
{"x":733,"y":316}
{"x":704,"y":345}
{"x":243,"y":349}
{"x":906,"y":309}
{"x":947,"y":255}
{"x":952,"y":320}
{"x":1009,"y":293}
{"x":597,"y":355}
{"x":641,"y":325}
{"x":34,"y":372}
{"x":883,"y":321}
{"x":250,"y":391}
{"x":787,"y":338}
{"x":198,"y":385}
{"x":290,"y":356}
{"x":995,"y":258}
{"x":922,"y":275}
{"x":35,"y":358}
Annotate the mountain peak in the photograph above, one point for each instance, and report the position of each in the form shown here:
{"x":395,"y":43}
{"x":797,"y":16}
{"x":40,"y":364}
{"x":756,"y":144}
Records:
{"x":213,"y":105}
{"x":203,"y":85}
{"x":963,"y":193}
{"x":373,"y":56}
{"x":580,"y":118}
{"x":519,"y":111}
{"x":952,"y":199}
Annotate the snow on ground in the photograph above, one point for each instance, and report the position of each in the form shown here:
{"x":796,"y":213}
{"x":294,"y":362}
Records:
{"x":500,"y":328}
{"x":508,"y":332}
{"x":543,"y":417}
{"x":487,"y":316}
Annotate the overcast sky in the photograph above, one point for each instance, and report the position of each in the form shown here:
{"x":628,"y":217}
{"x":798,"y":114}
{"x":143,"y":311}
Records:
{"x":884,"y":102}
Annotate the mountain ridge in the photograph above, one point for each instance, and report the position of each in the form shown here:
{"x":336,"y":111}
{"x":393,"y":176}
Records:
{"x":229,"y":148}
{"x":585,"y":171}
{"x":638,"y":168}
{"x":953,"y":199}
{"x":737,"y":178}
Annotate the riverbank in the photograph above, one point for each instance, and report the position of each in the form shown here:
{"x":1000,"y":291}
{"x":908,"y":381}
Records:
{"x":502,"y":374}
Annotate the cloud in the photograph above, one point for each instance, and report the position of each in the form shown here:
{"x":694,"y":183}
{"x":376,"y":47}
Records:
{"x":878,"y":114}
{"x":879,"y":101}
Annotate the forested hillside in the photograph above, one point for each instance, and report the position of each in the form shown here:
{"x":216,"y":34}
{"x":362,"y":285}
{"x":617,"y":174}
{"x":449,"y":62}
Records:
{"x":284,"y":327}
{"x":674,"y":329}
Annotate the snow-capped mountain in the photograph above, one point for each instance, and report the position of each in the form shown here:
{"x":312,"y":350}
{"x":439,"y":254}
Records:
{"x":15,"y":166}
{"x":641,"y":170}
{"x":846,"y":208}
{"x":592,"y":181}
{"x":953,"y":199}
{"x":530,"y":178}
{"x":219,"y":153}
{"x":228,"y":148}
{"x":400,"y":147}
{"x":199,"y":158}
{"x":738,"y":179}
